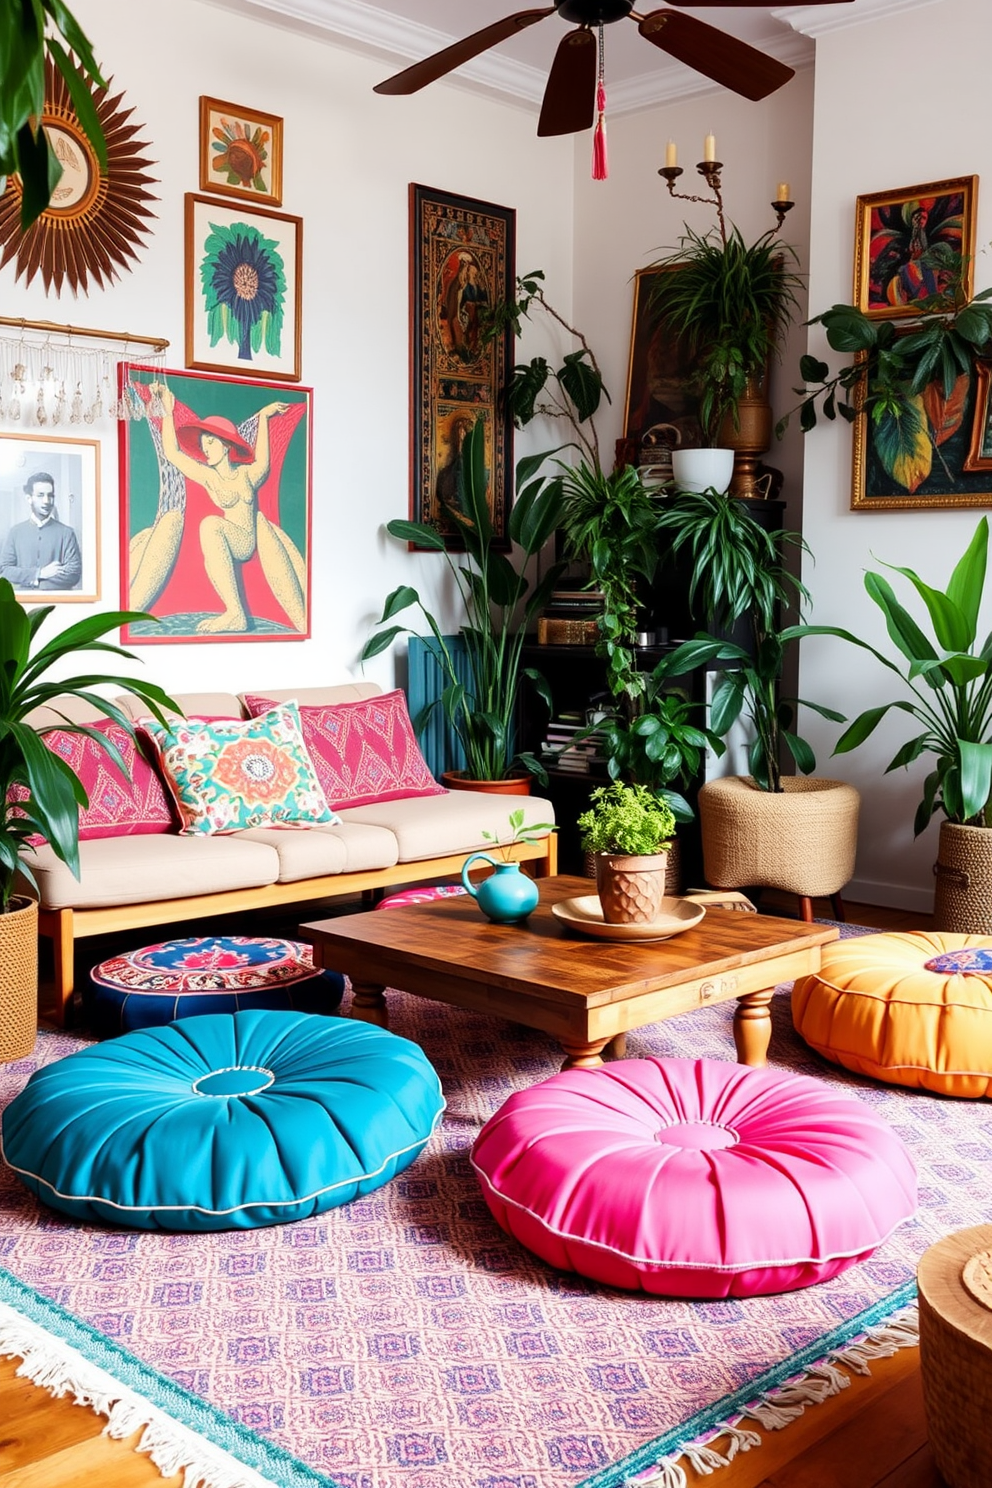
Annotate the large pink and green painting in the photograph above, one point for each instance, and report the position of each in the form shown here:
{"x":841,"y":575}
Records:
{"x":215,"y":501}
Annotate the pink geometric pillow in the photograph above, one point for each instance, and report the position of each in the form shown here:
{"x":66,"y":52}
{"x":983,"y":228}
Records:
{"x":134,"y":804}
{"x":362,"y":752}
{"x":694,"y":1177}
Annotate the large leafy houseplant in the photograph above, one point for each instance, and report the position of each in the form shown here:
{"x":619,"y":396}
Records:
{"x":51,"y":794}
{"x":910,"y":379}
{"x":498,"y":601}
{"x":730,"y":301}
{"x":29,"y":32}
{"x":738,"y":575}
{"x":949,"y":682}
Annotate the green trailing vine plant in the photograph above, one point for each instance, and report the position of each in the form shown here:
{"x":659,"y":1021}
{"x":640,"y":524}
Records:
{"x":626,"y":819}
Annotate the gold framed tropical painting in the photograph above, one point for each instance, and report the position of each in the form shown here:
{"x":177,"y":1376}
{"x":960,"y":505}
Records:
{"x":240,"y":152}
{"x":910,"y":243}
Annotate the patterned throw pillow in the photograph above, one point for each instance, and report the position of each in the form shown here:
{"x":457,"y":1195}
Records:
{"x":227,"y":776}
{"x":134,"y":804}
{"x":363,"y":752}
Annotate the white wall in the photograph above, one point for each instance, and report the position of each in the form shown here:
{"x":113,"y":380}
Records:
{"x":349,"y":156}
{"x":881,"y":125}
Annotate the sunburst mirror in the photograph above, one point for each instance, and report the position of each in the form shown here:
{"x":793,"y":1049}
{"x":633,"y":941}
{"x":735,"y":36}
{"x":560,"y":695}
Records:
{"x":96,"y":218}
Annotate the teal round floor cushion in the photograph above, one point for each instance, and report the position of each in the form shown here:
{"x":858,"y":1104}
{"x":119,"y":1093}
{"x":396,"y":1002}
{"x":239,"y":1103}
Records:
{"x":223,"y":1122}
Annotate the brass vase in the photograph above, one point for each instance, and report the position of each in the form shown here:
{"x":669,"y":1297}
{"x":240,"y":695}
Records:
{"x":749,"y":436}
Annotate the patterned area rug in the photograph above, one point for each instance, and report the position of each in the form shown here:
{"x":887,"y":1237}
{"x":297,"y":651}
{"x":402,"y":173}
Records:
{"x":405,"y":1342}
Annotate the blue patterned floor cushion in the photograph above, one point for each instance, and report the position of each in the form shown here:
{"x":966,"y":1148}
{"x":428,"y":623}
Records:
{"x":208,"y":974}
{"x":224,"y":1122}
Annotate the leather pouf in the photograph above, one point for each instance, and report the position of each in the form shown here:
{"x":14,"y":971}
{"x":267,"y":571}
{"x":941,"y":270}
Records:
{"x":694,"y":1178}
{"x":208,"y":974}
{"x":910,"y":1008}
{"x":225,"y":1122}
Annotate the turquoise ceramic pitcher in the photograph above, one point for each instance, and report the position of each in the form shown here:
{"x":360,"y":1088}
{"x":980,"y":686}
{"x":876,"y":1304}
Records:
{"x":505,"y":896}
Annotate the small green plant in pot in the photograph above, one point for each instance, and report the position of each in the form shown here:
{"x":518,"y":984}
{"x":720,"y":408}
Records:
{"x":629,"y":829}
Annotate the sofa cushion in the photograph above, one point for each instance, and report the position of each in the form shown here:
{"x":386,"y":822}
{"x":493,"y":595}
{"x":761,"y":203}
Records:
{"x":192,"y":704}
{"x":141,"y":870}
{"x":346,"y":848}
{"x":450,"y":823}
{"x":363,"y":751}
{"x":225,"y":777}
{"x":130,"y":805}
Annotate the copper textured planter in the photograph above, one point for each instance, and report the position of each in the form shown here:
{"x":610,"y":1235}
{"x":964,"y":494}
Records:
{"x":963,"y":880}
{"x":631,"y":888}
{"x":803,"y":839}
{"x":18,"y":979}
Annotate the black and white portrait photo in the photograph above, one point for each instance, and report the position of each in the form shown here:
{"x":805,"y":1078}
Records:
{"x":49,"y":517}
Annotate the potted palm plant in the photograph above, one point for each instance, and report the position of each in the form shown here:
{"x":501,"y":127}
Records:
{"x":948,"y":685}
{"x":766,"y":829}
{"x":629,"y":832}
{"x":498,"y":601}
{"x":730,"y":301}
{"x":39,"y":793}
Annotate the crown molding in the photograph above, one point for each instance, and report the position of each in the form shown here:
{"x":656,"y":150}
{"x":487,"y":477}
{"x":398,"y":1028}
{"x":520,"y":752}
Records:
{"x":817,"y":20}
{"x":381,"y":33}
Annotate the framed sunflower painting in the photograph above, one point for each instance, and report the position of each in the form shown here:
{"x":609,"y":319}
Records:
{"x":244,"y":273}
{"x":240,"y":152}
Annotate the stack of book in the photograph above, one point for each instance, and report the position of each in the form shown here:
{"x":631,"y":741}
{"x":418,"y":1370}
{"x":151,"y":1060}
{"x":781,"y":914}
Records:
{"x":563,"y":751}
{"x":571,"y":618}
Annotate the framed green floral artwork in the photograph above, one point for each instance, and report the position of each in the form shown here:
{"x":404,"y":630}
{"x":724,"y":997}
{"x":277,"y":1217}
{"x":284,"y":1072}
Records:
{"x":244,"y":273}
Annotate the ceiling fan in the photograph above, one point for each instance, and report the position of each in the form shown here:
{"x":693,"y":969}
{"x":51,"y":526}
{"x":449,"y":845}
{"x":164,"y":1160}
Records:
{"x":570,"y":96}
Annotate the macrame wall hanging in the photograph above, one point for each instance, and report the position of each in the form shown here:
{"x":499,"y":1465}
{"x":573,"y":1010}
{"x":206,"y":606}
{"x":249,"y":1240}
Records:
{"x":59,"y":374}
{"x":96,"y":218}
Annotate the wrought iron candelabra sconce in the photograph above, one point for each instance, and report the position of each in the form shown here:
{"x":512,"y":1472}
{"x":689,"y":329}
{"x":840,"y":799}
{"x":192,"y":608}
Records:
{"x":710,"y":171}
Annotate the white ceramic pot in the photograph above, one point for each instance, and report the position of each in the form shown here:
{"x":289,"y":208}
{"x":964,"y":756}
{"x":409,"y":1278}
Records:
{"x":703,"y":469}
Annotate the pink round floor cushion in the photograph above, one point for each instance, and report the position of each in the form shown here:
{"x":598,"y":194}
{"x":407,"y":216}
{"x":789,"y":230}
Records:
{"x":425,"y":894}
{"x":694,"y":1178}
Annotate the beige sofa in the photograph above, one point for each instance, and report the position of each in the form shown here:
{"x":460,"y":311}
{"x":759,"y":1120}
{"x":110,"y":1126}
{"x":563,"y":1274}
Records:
{"x":129,"y":883}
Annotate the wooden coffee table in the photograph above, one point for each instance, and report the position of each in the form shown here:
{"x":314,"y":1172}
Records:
{"x":586,"y":993}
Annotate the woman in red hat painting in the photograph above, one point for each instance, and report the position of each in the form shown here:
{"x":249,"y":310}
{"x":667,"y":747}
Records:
{"x":212,"y":452}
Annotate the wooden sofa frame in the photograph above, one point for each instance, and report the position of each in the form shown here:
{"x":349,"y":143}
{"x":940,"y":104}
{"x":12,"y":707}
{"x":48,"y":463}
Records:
{"x":64,"y":927}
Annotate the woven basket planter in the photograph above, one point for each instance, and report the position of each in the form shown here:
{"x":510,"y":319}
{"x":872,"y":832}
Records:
{"x":963,"y":874}
{"x":631,"y":888}
{"x":802,"y":839}
{"x":18,"y":979}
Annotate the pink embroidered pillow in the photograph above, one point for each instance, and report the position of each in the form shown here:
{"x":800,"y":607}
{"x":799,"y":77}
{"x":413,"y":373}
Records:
{"x":131,"y":805}
{"x":363,"y":752}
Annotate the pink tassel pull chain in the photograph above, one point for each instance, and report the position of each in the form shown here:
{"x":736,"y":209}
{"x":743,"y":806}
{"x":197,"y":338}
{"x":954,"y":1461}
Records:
{"x":600,"y":163}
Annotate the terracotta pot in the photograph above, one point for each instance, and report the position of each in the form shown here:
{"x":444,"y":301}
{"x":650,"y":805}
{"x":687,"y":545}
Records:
{"x":18,"y":979}
{"x":803,"y":839}
{"x":963,"y":874}
{"x":631,"y":888}
{"x":674,"y":873}
{"x":516,"y":785}
{"x":749,"y":437}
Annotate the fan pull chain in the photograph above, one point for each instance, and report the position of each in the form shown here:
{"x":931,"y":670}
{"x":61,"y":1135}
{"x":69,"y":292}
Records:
{"x":600,"y":163}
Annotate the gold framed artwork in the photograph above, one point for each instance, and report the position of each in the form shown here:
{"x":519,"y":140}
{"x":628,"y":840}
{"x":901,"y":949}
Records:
{"x":240,"y":151}
{"x":96,"y":218}
{"x":660,"y":373}
{"x":911,"y":242}
{"x":980,"y":446}
{"x":244,"y":286}
{"x":50,"y":518}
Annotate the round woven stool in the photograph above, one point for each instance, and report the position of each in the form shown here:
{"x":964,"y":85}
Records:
{"x":955,"y":1286}
{"x":911,"y":1008}
{"x":208,"y":974}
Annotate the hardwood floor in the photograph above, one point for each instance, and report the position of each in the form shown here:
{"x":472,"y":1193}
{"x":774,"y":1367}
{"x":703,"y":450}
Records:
{"x":871,"y":1435}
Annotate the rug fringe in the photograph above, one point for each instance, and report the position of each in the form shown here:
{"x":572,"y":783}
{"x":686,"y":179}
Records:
{"x":779,"y":1407}
{"x":60,"y":1370}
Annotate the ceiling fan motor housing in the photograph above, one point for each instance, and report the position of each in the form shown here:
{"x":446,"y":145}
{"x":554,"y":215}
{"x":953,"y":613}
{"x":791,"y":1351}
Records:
{"x":595,"y":12}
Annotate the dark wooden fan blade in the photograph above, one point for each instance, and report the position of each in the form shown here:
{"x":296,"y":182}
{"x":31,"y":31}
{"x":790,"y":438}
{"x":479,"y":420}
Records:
{"x":743,"y":4}
{"x":715,"y":54}
{"x":570,"y":96}
{"x":412,"y":79}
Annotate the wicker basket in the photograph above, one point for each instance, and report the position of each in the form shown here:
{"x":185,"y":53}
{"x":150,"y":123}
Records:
{"x":956,"y":1356}
{"x":18,"y":979}
{"x":963,"y":873}
{"x":803,"y":839}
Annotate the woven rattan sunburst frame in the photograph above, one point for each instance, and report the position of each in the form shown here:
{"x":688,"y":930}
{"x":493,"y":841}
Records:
{"x":96,"y":219}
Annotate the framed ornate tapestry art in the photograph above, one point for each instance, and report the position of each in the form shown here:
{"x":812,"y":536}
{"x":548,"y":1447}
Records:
{"x":462,"y":259}
{"x":215,"y":507}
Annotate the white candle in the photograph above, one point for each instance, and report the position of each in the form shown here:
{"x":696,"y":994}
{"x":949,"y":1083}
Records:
{"x":709,"y":147}
{"x":671,"y":154}
{"x":782,"y":191}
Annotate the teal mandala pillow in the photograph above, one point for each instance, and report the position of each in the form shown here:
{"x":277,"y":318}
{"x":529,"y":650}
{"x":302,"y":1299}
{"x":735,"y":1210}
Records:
{"x":229,"y":775}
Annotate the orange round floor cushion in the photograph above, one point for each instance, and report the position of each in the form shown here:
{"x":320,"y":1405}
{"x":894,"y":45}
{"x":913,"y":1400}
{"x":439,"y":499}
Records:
{"x":912,"y":1009}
